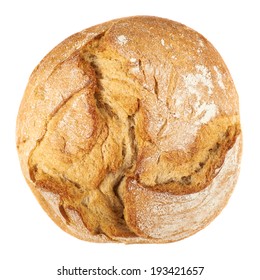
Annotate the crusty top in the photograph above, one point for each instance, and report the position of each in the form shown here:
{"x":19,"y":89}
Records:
{"x":124,"y":119}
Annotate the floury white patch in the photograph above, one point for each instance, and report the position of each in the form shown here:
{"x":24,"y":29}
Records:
{"x":122,"y":40}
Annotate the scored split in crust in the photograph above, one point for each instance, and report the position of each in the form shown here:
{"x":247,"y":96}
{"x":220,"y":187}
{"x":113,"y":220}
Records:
{"x":133,"y":112}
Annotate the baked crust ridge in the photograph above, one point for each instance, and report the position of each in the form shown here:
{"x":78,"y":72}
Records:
{"x":129,"y":131}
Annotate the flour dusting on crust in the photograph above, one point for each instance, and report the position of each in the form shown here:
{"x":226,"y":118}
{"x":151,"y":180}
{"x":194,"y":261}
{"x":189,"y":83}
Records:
{"x":193,"y":105}
{"x":219,"y":78}
{"x":122,"y":40}
{"x":163,"y":215}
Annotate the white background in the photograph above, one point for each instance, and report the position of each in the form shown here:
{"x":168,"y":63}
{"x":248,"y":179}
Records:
{"x":31,"y":245}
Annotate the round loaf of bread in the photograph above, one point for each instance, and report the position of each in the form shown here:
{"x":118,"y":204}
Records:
{"x":129,"y":131}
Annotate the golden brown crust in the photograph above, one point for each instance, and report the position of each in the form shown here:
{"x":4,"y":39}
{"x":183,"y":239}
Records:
{"x":129,"y":132}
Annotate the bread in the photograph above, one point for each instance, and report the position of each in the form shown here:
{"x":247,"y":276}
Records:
{"x":129,"y":131}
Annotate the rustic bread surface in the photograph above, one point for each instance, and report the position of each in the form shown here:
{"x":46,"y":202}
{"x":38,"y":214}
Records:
{"x":129,"y":132}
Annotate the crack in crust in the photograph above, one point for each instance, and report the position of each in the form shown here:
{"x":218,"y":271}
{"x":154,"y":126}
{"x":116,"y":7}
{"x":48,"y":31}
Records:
{"x":98,"y":139}
{"x":207,"y":169}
